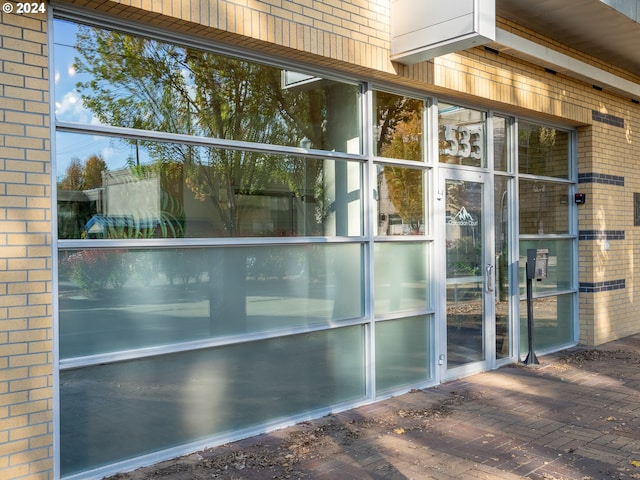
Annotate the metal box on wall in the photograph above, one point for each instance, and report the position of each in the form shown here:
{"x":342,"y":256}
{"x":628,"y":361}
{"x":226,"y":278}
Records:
{"x":537,"y":263}
{"x":424,"y":29}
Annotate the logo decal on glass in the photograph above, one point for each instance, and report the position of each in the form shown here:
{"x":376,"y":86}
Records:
{"x":464,"y":218}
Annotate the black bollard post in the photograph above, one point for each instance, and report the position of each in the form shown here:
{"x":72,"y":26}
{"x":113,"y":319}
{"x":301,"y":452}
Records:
{"x":531,"y":358}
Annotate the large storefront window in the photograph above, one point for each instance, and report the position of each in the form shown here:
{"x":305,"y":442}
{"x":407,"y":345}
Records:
{"x":553,"y":307}
{"x":401,"y":359}
{"x":126,"y":80}
{"x":401,"y":202}
{"x":560,"y":268}
{"x":398,"y":127}
{"x":121,"y":410}
{"x":544,"y":207}
{"x":401,"y":280}
{"x":153,"y":189}
{"x":543,"y":151}
{"x":552,"y":326}
{"x":121,"y":299}
{"x":211,"y":245}
{"x":402,"y":299}
{"x":545,"y":186}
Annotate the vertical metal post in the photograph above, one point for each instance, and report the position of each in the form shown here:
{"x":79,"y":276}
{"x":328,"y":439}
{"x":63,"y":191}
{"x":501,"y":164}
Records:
{"x":531,"y":358}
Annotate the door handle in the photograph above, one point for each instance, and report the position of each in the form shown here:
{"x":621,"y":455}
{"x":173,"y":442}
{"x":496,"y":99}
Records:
{"x":489,"y":278}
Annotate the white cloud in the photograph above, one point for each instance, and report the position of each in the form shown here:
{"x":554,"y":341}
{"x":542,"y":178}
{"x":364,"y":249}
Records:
{"x":71,"y":109}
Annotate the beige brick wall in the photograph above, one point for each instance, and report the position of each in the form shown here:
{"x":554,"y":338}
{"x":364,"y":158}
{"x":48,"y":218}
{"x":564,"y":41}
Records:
{"x":26,"y":350}
{"x":351,"y":31}
{"x":610,"y":150}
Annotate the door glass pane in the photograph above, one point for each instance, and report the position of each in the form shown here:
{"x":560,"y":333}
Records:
{"x":502,"y":291}
{"x":465,"y":273}
{"x":462,"y":135}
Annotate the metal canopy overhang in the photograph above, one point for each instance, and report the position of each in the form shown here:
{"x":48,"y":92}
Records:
{"x":421,"y":31}
{"x":590,"y":26}
{"x":537,"y":54}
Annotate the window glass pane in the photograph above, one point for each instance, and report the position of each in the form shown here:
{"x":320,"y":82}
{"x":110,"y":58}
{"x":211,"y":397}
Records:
{"x":400,"y":201}
{"x":501,"y":147}
{"x":544,"y":207}
{"x":401,"y":281}
{"x":552,"y":323}
{"x":560,"y":267}
{"x":113,"y":412}
{"x":112,"y":300}
{"x":543,"y":151}
{"x":124,"y":188}
{"x":462,"y":135}
{"x":113,"y":78}
{"x":398,"y":131}
{"x":402,"y":352}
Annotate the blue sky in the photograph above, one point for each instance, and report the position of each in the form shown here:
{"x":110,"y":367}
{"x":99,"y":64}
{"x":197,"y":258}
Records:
{"x":69,"y":108}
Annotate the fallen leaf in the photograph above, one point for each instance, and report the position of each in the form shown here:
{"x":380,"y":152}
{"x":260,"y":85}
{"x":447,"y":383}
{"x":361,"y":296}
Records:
{"x":635,"y":463}
{"x":399,"y":431}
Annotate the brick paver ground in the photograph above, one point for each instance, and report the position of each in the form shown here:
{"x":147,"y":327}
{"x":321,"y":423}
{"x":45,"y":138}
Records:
{"x":576,"y":416}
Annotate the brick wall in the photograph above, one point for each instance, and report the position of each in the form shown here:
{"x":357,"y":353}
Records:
{"x":26,"y":350}
{"x":608,"y":253}
{"x":352,"y":31}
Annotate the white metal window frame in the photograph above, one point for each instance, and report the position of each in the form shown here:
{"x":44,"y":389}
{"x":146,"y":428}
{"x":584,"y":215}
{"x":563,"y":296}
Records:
{"x":572,"y":236}
{"x":365,"y":240}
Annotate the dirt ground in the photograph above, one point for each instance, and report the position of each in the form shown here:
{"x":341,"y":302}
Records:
{"x":288,"y":453}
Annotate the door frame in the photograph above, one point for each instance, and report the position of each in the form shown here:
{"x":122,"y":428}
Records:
{"x":468,"y":174}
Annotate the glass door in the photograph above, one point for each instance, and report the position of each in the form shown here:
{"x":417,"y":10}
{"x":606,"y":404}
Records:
{"x":470,"y":272}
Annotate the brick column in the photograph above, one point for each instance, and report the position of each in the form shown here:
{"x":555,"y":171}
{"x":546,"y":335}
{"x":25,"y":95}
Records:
{"x":26,"y":344}
{"x":607,"y":235}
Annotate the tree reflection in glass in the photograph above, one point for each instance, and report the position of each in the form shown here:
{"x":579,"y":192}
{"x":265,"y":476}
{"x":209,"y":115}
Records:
{"x":134,"y":82}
